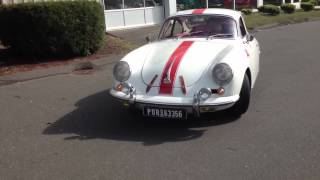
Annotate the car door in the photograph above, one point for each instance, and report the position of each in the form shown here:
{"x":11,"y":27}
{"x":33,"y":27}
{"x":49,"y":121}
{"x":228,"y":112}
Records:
{"x":252,"y":50}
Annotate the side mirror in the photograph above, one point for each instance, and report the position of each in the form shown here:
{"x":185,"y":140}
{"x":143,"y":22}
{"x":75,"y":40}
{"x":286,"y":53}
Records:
{"x":250,"y":37}
{"x":150,"y":38}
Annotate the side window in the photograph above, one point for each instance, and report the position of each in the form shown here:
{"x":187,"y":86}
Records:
{"x":167,"y":29}
{"x":173,"y":28}
{"x":242,"y":28}
{"x":177,"y":28}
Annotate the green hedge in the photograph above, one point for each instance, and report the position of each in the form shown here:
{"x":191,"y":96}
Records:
{"x":288,"y":8}
{"x":47,"y":29}
{"x":269,"y":9}
{"x":306,"y":6}
{"x":314,"y":2}
{"x":246,"y":11}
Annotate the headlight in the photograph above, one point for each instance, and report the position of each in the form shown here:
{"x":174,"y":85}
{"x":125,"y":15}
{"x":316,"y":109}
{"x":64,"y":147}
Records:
{"x":222,"y":74}
{"x":121,"y":71}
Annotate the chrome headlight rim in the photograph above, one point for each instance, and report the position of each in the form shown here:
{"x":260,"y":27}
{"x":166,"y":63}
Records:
{"x":204,"y":93}
{"x":120,"y":74}
{"x":225,"y":76}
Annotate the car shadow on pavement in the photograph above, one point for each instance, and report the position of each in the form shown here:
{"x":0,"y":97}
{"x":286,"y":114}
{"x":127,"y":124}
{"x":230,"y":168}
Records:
{"x":99,"y":116}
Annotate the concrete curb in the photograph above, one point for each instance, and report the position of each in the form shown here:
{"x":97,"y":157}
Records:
{"x":40,"y":73}
{"x":274,"y":25}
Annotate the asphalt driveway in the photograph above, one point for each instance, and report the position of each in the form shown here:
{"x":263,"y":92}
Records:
{"x":68,"y":127}
{"x":138,"y":35}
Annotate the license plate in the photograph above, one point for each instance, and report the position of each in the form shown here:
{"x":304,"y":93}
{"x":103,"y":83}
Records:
{"x":165,"y":112}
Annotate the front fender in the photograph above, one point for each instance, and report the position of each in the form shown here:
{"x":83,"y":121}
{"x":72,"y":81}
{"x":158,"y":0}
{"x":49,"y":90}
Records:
{"x":237,"y":59}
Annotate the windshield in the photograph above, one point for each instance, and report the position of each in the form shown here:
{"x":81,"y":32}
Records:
{"x":210,"y":26}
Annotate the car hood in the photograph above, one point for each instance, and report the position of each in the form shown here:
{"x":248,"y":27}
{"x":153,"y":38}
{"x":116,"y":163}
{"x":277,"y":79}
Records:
{"x":194,"y":58}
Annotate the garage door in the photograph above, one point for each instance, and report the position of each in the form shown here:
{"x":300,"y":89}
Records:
{"x":132,"y":13}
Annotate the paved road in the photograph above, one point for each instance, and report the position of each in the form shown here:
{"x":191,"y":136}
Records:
{"x":67,"y":127}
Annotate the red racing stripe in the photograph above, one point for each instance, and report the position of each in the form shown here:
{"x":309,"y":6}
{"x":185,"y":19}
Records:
{"x":198,"y":11}
{"x":173,"y":62}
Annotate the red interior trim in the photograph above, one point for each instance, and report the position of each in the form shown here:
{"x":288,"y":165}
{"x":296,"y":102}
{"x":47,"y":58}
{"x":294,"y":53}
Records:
{"x":173,"y":62}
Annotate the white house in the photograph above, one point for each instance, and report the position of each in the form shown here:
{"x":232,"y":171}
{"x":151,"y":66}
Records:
{"x":134,"y":13}
{"x":120,"y":14}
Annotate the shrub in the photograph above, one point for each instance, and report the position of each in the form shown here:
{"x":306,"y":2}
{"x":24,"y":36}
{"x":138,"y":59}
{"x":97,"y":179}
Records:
{"x":306,"y":6}
{"x":314,"y":2}
{"x":49,"y":29}
{"x":269,"y":9}
{"x":288,"y":8}
{"x":246,"y":11}
{"x":261,"y":8}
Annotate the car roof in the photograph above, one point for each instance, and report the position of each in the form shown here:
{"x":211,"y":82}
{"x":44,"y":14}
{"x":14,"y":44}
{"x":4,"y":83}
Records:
{"x":216,"y":11}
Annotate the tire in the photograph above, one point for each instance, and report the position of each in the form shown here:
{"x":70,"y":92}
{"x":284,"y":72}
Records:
{"x":242,"y":105}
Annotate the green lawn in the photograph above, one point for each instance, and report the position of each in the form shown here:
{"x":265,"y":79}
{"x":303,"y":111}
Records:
{"x":256,"y":19}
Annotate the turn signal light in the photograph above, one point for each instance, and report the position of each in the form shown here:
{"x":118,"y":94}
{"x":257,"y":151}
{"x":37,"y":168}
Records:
{"x":119,"y":87}
{"x":219,"y":91}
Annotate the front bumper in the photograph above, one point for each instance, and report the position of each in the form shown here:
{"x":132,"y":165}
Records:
{"x":193,"y":105}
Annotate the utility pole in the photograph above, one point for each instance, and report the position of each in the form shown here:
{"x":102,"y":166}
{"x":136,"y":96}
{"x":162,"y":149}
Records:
{"x":234,"y":4}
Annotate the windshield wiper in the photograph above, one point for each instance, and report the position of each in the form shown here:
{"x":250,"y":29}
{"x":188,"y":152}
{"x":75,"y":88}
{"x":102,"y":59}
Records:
{"x":219,"y":35}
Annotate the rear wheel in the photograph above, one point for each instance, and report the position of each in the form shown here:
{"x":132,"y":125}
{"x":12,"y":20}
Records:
{"x":242,"y":105}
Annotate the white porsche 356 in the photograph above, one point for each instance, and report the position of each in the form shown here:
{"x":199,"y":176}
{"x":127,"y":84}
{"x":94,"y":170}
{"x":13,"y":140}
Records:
{"x":204,"y":60}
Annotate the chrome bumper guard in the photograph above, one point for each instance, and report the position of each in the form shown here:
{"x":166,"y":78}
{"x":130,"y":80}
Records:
{"x":131,"y":91}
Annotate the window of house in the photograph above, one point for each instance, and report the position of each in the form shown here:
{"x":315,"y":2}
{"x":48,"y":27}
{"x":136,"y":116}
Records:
{"x":153,"y":3}
{"x":113,"y":4}
{"x":190,"y":4}
{"x":274,"y":2}
{"x":133,"y":4}
{"x":127,"y":4}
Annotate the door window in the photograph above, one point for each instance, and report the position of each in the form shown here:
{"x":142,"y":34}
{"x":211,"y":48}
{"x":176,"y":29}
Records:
{"x":172,"y":29}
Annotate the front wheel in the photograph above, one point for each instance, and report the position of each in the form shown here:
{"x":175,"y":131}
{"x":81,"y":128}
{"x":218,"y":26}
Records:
{"x":242,"y":105}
